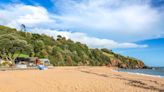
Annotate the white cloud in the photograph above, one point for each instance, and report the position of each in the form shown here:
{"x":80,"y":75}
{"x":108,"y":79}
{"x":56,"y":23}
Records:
{"x":15,"y":15}
{"x":122,"y":20}
{"x":133,"y":18}
{"x":90,"y":41}
{"x":126,"y":20}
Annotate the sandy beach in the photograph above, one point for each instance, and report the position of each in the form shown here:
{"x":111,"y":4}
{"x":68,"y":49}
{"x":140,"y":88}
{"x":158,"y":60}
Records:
{"x":77,"y":79}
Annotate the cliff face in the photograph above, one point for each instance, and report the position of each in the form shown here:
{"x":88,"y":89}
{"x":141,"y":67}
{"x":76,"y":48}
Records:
{"x":117,"y":60}
{"x":120,"y":64}
{"x":64,"y":52}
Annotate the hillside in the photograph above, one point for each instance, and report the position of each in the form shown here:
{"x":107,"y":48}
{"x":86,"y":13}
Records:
{"x":60,"y":51}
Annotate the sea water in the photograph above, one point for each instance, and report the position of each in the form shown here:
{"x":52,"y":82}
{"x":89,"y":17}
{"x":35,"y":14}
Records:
{"x":156,"y":72}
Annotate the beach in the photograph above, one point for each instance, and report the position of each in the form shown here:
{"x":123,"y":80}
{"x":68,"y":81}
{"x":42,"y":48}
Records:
{"x":78,"y":79}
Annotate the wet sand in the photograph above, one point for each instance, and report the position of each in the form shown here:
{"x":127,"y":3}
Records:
{"x":77,"y":79}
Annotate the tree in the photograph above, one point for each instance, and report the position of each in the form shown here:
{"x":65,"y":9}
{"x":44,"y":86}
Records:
{"x":69,"y":60}
{"x":59,"y":37}
{"x":23,"y":27}
{"x":60,"y":51}
{"x":107,"y":51}
{"x":38,"y":47}
{"x":10,"y":45}
{"x":59,"y":59}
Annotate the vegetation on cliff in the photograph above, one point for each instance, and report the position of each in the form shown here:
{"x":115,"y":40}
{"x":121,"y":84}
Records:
{"x":60,"y":51}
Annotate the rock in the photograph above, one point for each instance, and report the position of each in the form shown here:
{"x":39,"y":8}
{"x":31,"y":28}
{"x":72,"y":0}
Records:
{"x":120,"y":64}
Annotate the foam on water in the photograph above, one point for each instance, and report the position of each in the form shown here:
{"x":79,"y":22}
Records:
{"x":146,"y":75}
{"x":145,"y":72}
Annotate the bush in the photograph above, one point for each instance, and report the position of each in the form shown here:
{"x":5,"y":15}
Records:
{"x":6,"y":63}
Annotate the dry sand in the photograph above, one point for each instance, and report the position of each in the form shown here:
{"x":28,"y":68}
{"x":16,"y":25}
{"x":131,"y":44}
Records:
{"x":77,"y":79}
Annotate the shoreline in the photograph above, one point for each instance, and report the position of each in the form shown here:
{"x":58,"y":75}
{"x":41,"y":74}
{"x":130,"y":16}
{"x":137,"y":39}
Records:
{"x":78,"y":79}
{"x":114,"y":69}
{"x":142,"y":74}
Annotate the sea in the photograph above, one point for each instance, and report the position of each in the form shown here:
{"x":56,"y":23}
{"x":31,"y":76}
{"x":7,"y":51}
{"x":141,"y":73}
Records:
{"x":155,"y":71}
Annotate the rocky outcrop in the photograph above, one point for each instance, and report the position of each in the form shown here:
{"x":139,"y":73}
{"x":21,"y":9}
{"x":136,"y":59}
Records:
{"x":120,"y":64}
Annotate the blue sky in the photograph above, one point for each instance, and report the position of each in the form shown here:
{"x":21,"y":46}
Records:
{"x":121,"y":25}
{"x":152,"y":55}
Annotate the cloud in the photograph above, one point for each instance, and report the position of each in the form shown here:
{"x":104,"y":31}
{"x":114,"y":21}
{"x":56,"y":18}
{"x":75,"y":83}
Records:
{"x":105,"y":15}
{"x":121,"y":20}
{"x":135,"y":19}
{"x":16,"y":14}
{"x":85,"y":39}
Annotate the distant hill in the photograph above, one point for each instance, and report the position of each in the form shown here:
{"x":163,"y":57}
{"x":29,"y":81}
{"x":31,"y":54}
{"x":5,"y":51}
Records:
{"x":60,"y":51}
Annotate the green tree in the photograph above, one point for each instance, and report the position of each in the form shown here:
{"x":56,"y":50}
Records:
{"x":69,"y":60}
{"x":38,"y":46}
{"x":60,"y":51}
{"x":11,"y":44}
